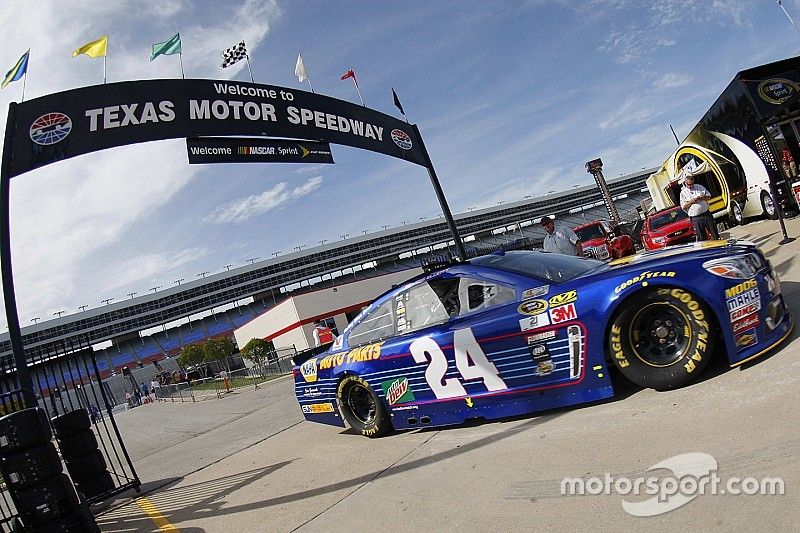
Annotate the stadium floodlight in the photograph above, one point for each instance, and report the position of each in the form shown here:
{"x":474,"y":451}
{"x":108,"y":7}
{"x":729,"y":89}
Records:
{"x":385,"y":226}
{"x":35,"y":319}
{"x":82,"y":307}
{"x":227,"y":267}
{"x":59,"y":313}
{"x":155,"y":289}
{"x":178,"y":281}
{"x":132,"y":294}
{"x":276,"y":254}
{"x":364,"y":231}
{"x":203,"y":274}
{"x":107,"y":301}
{"x":323,"y":241}
{"x":252,"y":260}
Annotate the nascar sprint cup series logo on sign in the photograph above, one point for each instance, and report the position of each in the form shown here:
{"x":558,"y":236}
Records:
{"x":401,"y":139}
{"x":50,"y":129}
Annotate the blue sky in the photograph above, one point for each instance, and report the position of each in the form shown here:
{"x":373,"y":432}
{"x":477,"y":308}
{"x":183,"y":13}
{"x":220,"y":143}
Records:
{"x":512,"y":98}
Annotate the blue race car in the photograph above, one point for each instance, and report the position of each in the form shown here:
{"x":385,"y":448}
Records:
{"x":513,"y":333}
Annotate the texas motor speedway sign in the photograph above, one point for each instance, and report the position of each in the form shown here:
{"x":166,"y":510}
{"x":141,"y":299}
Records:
{"x":71,"y":123}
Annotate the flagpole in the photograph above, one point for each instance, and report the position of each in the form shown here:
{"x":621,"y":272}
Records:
{"x":180,"y":56}
{"x":309,"y":83}
{"x":24,"y":79}
{"x":358,"y":91}
{"x":104,"y":70}
{"x":247,"y":58}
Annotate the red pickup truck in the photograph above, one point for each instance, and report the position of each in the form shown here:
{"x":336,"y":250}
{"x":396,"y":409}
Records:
{"x":601,"y":242}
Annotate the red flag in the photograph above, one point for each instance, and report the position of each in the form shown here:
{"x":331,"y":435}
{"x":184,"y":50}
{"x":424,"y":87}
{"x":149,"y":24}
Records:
{"x":349,"y":74}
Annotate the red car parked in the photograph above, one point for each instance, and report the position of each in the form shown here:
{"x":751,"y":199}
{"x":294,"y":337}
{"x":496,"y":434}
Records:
{"x":601,"y":242}
{"x":667,"y":227}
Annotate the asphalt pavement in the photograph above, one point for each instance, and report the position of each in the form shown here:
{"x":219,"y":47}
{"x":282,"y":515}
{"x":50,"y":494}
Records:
{"x":248,"y":461}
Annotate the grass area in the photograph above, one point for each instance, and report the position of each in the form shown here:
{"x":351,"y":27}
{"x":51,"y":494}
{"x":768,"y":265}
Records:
{"x":235,"y":382}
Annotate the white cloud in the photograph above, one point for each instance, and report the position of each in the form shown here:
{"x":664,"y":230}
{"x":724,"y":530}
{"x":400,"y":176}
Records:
{"x":258,"y":204}
{"x":672,"y":80}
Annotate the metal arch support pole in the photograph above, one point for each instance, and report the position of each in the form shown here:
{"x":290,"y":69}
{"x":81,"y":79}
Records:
{"x":9,"y":297}
{"x":448,"y":216}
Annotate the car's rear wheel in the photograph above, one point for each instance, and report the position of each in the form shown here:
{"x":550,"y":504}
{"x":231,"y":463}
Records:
{"x":362,"y":408}
{"x":737,"y":214}
{"x":661,"y":338}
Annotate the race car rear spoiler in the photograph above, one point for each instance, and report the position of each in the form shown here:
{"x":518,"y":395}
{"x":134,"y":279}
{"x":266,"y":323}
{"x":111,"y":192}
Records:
{"x":305,"y":355}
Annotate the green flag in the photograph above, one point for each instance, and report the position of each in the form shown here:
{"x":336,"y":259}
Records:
{"x":168,"y":47}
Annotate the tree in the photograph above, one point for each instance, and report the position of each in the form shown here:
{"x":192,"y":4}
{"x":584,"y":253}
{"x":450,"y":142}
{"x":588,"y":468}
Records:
{"x":218,"y":349}
{"x":258,"y":351}
{"x":192,"y":355}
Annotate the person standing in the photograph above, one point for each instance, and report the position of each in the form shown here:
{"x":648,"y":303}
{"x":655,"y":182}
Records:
{"x":560,"y":239}
{"x":322,"y":333}
{"x":694,"y":200}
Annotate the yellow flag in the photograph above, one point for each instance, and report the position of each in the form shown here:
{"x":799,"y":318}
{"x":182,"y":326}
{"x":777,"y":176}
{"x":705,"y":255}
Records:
{"x":93,"y":49}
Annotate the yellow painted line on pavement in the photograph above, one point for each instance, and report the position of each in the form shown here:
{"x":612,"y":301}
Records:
{"x":155,"y":515}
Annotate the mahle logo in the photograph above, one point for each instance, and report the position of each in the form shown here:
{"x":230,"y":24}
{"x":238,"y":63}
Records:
{"x":397,"y":391}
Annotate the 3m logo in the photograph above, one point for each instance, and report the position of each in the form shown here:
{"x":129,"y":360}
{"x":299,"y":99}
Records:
{"x":564,"y":298}
{"x":563,"y":313}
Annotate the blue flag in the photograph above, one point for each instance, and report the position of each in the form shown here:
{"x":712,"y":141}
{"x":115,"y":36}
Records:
{"x":17,"y":71}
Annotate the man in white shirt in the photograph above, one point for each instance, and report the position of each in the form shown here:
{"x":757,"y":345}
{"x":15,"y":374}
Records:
{"x":694,"y":200}
{"x":560,"y":239}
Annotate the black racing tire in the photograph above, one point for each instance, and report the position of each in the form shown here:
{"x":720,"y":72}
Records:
{"x":77,"y":445}
{"x":362,"y":408}
{"x":661,"y":338}
{"x":94,"y":486}
{"x":28,"y":467}
{"x":737,"y":214}
{"x":86,"y":466}
{"x":71,"y":423}
{"x":23,"y":429}
{"x":769,"y":207}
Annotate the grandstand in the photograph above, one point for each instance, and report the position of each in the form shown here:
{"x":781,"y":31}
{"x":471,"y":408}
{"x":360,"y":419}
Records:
{"x":264,"y":284}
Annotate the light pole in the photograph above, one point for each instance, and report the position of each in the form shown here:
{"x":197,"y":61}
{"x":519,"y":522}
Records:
{"x":203,"y":274}
{"x":364,"y":231}
{"x":252,"y":260}
{"x":59,"y":313}
{"x":228,"y":267}
{"x":178,"y":281}
{"x":107,"y":301}
{"x":276,"y":254}
{"x":323,"y":241}
{"x":83,"y":307}
{"x":35,"y":319}
{"x":132,"y":294}
{"x":780,"y":4}
{"x":155,"y":289}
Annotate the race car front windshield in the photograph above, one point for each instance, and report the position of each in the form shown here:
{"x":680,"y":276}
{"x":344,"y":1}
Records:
{"x":557,"y":268}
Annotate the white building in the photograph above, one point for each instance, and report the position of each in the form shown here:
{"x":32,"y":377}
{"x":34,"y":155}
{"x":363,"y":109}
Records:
{"x":291,"y":322}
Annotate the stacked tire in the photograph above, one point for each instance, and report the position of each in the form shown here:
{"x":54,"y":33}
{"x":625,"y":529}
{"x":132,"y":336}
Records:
{"x":43,"y":495}
{"x":85,"y":462}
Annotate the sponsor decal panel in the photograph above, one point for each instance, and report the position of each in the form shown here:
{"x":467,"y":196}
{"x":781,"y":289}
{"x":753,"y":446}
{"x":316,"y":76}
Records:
{"x":535,"y":292}
{"x":312,"y":392}
{"x":740,"y":288}
{"x":362,"y":354}
{"x":397,"y":391}
{"x":401,"y":139}
{"x":533,"y":322}
{"x":750,"y":321}
{"x":564,"y":298}
{"x":745,"y":311}
{"x":545,"y":368}
{"x":745,"y":339}
{"x":315,"y":408}
{"x":309,"y":370}
{"x":777,"y":90}
{"x":642,"y":278}
{"x":540,"y":351}
{"x":563,"y":313}
{"x":532,"y":307}
{"x":544,"y":336}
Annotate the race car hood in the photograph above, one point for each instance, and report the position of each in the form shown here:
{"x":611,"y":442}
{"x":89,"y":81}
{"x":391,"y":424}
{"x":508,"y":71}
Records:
{"x":711,"y":249}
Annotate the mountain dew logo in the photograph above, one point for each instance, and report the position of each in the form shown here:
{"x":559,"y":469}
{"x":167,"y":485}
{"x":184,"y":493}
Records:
{"x":397,"y":391}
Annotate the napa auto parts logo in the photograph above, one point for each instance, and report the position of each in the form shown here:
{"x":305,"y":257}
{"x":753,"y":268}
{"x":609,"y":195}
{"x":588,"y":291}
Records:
{"x":402,"y":139}
{"x":50,"y":128}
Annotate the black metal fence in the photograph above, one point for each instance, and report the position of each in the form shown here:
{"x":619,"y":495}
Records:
{"x":64,"y":380}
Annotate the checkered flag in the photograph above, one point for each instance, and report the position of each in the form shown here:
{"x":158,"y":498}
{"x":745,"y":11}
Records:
{"x":233,"y":54}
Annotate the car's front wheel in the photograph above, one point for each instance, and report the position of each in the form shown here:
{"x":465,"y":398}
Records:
{"x":362,"y":408}
{"x":661,"y":338}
